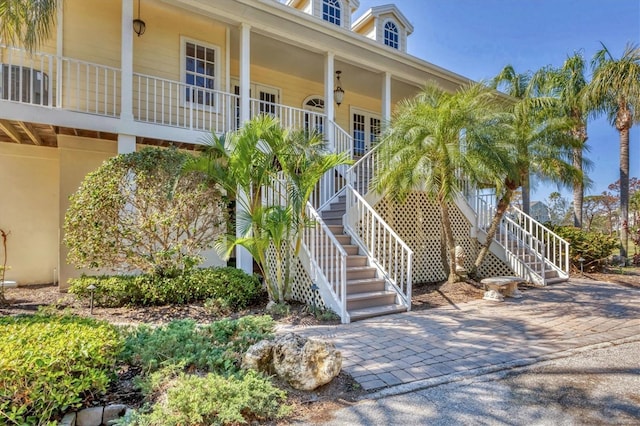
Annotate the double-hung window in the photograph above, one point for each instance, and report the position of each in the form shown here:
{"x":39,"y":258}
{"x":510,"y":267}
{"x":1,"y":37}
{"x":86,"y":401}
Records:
{"x":200,"y":72}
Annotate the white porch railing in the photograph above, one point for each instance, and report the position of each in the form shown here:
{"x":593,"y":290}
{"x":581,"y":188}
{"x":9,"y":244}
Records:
{"x":385,"y":249}
{"x":171,"y":103}
{"x":59,"y":82}
{"x":290,"y":117}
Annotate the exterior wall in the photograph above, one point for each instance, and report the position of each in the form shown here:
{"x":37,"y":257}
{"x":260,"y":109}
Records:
{"x":78,"y":156}
{"x":92,"y":31}
{"x":29,"y":212}
{"x":157,"y":52}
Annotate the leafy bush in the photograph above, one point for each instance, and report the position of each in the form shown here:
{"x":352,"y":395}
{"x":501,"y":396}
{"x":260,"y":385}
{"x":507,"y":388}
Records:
{"x":217,"y":347}
{"x":215,"y":400}
{"x":48,"y":364}
{"x":593,"y":247}
{"x":233,"y":287}
{"x":140,"y":211}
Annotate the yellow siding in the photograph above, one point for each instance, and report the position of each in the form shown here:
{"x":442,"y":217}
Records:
{"x":92,"y":31}
{"x":29,"y":213}
{"x":78,"y":156}
{"x":157,"y":52}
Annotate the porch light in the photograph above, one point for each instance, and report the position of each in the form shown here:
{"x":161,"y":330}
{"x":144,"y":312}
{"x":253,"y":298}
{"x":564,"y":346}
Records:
{"x":138,"y":24}
{"x":338,"y":93}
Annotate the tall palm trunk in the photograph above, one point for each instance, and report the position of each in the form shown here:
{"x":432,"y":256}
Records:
{"x":526,"y":192}
{"x":451,"y":243}
{"x":624,"y":191}
{"x":578,"y":190}
{"x":580,"y":133}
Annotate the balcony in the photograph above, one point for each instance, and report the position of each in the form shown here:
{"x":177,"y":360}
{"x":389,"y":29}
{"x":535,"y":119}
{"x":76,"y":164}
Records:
{"x":71,"y":87}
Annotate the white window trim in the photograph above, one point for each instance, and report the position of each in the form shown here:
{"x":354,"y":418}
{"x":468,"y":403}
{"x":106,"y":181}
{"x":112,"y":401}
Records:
{"x":368,"y":114}
{"x":308,"y":98}
{"x":398,"y":28}
{"x":183,"y":70}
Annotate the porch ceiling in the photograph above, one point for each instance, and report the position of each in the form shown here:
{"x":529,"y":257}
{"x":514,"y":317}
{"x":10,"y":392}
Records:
{"x":46,"y":135}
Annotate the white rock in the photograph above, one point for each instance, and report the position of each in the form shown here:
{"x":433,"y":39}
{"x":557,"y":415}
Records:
{"x":113,"y":412}
{"x":89,"y":416}
{"x":303,"y":363}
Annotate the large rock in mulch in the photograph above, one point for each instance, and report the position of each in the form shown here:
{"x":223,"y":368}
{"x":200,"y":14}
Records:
{"x":305,"y":364}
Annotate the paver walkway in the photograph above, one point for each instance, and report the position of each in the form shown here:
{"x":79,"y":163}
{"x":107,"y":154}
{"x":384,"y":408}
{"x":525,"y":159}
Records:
{"x":413,"y":346}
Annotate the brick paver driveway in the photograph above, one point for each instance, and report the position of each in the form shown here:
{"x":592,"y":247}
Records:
{"x":414,"y":346}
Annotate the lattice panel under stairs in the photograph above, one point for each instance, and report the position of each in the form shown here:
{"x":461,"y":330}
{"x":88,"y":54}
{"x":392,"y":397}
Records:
{"x":301,"y":287}
{"x":417,"y":221}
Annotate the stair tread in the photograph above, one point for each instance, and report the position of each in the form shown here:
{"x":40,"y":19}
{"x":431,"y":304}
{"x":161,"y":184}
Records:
{"x":362,"y":313}
{"x":364,"y":281}
{"x":369,"y":294}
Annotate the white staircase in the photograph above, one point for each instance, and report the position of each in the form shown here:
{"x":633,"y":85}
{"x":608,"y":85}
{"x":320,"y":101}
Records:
{"x":361,"y":266}
{"x":532,"y":250}
{"x":366,"y":292}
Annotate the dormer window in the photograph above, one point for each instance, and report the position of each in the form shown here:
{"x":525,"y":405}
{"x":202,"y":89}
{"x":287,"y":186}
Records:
{"x":391,"y":34}
{"x":331,"y":11}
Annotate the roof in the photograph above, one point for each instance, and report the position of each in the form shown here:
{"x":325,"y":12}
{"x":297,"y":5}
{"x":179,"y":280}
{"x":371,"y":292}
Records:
{"x":375,"y":12}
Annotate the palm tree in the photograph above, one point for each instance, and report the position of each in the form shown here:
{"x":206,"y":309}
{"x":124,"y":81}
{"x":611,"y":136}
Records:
{"x":28,"y":22}
{"x":265,"y":156}
{"x":535,"y":137}
{"x":615,"y":91}
{"x":436,"y":137}
{"x":568,"y":84}
{"x":537,"y":128}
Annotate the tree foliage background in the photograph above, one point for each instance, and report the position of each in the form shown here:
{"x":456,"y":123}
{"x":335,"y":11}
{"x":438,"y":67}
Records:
{"x":140,"y":212}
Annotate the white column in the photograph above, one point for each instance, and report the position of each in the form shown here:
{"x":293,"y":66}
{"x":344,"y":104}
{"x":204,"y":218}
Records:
{"x":245,"y":72}
{"x":329,"y":72}
{"x":244,"y":260}
{"x":126,"y":143}
{"x":59,"y":52}
{"x":386,"y":98}
{"x":126,"y":62}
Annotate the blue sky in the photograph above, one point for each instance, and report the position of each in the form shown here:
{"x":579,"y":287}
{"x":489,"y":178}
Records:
{"x":476,"y":38}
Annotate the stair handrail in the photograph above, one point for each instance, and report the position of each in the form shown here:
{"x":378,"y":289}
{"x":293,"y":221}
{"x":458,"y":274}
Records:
{"x":324,"y":250}
{"x":557,"y":248}
{"x":543,"y":242}
{"x":382,"y":245}
{"x":526,"y":244}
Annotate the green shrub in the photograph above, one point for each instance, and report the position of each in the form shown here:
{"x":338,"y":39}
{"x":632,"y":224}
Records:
{"x":48,"y":364}
{"x":593,"y":247}
{"x":216,"y":400}
{"x":217,"y":347}
{"x":233,"y":287}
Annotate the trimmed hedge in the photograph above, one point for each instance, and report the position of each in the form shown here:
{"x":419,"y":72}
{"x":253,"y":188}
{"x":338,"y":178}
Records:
{"x":48,"y":364}
{"x":236,"y":288}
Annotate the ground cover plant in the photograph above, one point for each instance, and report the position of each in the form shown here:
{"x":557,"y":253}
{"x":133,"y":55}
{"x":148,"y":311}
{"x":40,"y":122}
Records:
{"x":192,"y":375}
{"x":50,"y":364}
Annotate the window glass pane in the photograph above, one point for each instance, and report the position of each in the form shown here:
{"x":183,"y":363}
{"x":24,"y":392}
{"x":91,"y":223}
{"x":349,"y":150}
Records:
{"x":200,"y":70}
